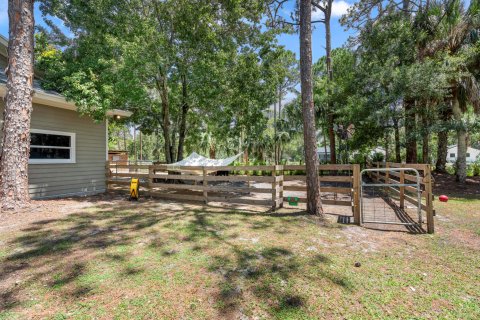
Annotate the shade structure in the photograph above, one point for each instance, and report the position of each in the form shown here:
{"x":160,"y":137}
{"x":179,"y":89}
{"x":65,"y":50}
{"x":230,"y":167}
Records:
{"x":196,"y":160}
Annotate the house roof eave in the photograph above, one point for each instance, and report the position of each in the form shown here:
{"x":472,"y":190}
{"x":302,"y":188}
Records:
{"x":58,"y":101}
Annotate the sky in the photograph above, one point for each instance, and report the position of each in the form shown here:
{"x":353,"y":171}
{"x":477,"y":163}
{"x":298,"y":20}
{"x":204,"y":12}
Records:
{"x":290,"y":41}
{"x":339,"y":35}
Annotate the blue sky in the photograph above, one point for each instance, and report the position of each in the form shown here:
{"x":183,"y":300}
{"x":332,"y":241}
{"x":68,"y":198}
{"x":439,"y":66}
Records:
{"x":291,"y":42}
{"x":339,"y":35}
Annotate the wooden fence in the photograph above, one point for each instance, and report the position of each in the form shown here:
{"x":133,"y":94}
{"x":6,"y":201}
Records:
{"x":408,"y":193}
{"x":198,"y":183}
{"x":275,"y":185}
{"x":336,"y":180}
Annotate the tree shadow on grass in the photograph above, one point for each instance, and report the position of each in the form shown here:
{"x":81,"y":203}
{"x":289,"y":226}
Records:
{"x":58,"y":252}
{"x":55,"y":252}
{"x":269,"y":274}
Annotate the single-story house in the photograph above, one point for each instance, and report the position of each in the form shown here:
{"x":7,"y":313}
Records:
{"x":472,"y":154}
{"x":68,"y":151}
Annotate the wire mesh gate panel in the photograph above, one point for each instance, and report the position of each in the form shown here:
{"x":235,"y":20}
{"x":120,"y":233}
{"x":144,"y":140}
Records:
{"x":380,"y":201}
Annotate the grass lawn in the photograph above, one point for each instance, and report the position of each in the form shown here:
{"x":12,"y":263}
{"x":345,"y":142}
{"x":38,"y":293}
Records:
{"x":159,"y":260}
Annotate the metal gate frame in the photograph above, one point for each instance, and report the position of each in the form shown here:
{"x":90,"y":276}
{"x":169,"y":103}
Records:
{"x":417,"y":185}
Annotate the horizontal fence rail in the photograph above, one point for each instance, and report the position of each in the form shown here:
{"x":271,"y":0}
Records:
{"x":274,"y":185}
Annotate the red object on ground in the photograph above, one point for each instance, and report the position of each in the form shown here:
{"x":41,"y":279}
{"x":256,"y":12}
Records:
{"x":443,"y":198}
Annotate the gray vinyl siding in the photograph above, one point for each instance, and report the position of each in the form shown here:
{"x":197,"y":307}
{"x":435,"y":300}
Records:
{"x":87,"y":175}
{"x":3,"y":62}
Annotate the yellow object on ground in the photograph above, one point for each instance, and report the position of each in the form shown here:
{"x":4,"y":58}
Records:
{"x":134,"y":189}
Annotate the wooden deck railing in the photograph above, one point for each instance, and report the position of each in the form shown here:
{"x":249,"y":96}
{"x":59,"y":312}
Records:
{"x":408,"y":193}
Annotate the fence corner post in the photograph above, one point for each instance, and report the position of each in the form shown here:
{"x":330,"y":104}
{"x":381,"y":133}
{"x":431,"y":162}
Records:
{"x":356,"y":194}
{"x":205,"y":184}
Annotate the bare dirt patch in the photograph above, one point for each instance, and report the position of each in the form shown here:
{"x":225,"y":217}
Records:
{"x":447,"y":184}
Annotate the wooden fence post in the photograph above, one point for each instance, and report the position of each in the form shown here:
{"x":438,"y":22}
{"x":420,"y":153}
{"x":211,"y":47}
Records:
{"x":151,"y":174}
{"x":205,"y":184}
{"x":356,"y":193}
{"x":281,"y":186}
{"x":402,"y":189}
{"x":274,"y":188}
{"x":427,"y":179}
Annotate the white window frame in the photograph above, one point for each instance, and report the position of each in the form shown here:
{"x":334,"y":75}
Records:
{"x":72,"y":148}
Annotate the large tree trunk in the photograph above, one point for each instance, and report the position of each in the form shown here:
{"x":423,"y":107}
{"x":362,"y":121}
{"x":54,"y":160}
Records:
{"x":314,"y":204}
{"x":275,"y":159}
{"x":135,"y":144}
{"x":461,"y":140}
{"x":279,"y":142}
{"x":426,"y":138}
{"x":183,"y":121}
{"x":387,"y":146}
{"x":18,"y":106}
{"x":398,"y":156}
{"x":212,"y":151}
{"x":442,"y":144}
{"x":410,"y":131}
{"x":442,"y":150}
{"x":141,"y":145}
{"x":328,"y":51}
{"x":162,"y":86}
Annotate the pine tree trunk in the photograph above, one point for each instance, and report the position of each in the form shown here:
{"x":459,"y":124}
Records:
{"x":461,"y":141}
{"x":442,"y":144}
{"x":426,"y":138}
{"x":442,"y":150}
{"x":135,"y":144}
{"x":328,"y":52}
{"x":275,"y":159}
{"x":212,"y":152}
{"x":162,"y":86}
{"x":398,"y":156}
{"x":314,"y":204}
{"x":387,"y":146}
{"x":18,"y":106}
{"x":183,"y":121}
{"x":410,"y":131}
{"x":141,"y":145}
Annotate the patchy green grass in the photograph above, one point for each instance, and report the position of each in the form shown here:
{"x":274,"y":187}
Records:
{"x":158,"y":260}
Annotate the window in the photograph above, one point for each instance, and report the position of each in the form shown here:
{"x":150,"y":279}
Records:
{"x":468,"y":155}
{"x":51,"y":147}
{"x":452,"y":155}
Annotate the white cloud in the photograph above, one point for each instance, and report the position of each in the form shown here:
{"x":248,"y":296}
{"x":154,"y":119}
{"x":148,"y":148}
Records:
{"x":339,"y":8}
